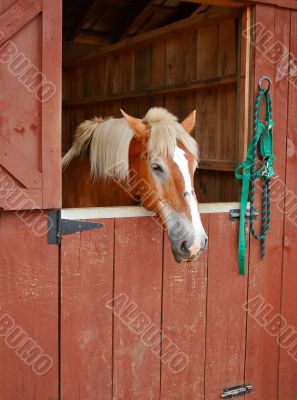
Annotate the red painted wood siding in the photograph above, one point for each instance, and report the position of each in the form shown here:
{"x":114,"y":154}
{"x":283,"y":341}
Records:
{"x":197,"y":306}
{"x":86,"y":324}
{"x":273,"y":280}
{"x":184,"y":319}
{"x":30,"y":122}
{"x":29,"y":299}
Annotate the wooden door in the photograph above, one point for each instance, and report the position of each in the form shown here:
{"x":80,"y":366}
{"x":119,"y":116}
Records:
{"x":29,"y":279}
{"x":30,"y":69}
{"x":30,"y":104}
{"x":176,"y":331}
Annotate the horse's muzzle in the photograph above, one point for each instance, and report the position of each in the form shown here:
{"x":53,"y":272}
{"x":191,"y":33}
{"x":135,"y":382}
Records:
{"x":185,"y":243}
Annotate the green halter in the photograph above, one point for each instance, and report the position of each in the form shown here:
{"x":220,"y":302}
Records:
{"x":260,"y":152}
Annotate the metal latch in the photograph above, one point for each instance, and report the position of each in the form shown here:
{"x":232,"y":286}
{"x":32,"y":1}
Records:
{"x":230,"y":393}
{"x":235,"y":213}
{"x":58,"y":227}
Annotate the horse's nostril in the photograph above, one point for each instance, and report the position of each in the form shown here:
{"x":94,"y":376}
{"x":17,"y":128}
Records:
{"x":184,"y":248}
{"x":203,"y":247}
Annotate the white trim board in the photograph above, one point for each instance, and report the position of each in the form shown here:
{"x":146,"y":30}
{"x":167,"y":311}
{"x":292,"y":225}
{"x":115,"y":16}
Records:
{"x":136,"y":211}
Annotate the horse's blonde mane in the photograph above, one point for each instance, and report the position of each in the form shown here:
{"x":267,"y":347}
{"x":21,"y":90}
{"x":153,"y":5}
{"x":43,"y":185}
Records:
{"x":109,"y":140}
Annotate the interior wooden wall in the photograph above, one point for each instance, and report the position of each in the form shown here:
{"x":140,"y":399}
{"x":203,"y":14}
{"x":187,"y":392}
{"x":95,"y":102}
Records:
{"x":194,"y":68}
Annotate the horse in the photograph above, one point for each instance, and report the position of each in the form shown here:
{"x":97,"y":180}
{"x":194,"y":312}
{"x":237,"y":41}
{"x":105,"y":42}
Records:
{"x":128,"y":161}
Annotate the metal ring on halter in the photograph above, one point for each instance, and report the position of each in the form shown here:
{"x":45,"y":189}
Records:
{"x":265,"y":78}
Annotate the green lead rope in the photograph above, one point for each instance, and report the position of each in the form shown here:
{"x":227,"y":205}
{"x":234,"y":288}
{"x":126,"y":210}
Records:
{"x":257,"y":166}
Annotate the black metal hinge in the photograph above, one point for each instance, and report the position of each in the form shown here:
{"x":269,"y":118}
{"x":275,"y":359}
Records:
{"x":235,"y":391}
{"x":58,"y":227}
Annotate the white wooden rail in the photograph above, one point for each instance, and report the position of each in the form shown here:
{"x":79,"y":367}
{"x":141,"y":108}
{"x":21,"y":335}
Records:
{"x":136,"y":211}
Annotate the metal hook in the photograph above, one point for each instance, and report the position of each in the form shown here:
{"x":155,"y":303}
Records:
{"x":261,"y":80}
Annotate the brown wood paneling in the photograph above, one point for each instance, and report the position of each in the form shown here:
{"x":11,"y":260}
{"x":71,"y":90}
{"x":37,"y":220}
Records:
{"x":158,"y":60}
{"x":216,"y":124}
{"x":184,"y":323}
{"x":29,"y":297}
{"x":206,"y":125}
{"x":174,"y":62}
{"x":142,"y":68}
{"x":194,"y":68}
{"x":138,"y":278}
{"x":244,"y":100}
{"x":216,"y":186}
{"x":227,"y":47}
{"x":86,"y":322}
{"x":215,"y":16}
{"x":207,"y":52}
{"x":226,"y":129}
{"x":291,"y":4}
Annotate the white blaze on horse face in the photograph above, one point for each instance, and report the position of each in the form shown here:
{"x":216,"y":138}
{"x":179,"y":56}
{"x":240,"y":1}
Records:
{"x":183,"y":165}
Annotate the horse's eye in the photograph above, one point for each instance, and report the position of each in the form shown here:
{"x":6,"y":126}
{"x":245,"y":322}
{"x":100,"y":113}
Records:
{"x":157,"y":168}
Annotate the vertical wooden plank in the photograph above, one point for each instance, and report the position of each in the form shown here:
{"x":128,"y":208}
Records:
{"x":184,"y":322}
{"x":130,"y":107}
{"x":52,"y":106}
{"x":108,"y":109}
{"x":118,"y":73}
{"x":207,"y":52}
{"x":265,"y":276}
{"x":189,"y":55}
{"x":143,"y":105}
{"x":226,"y":319}
{"x":108,"y":74}
{"x":75,"y":118}
{"x":90,"y":111}
{"x":98,"y":78}
{"x":138,"y":278}
{"x":100,"y":110}
{"x":172,"y":103}
{"x":117,"y":105}
{"x":86,"y":322}
{"x":123,"y":73}
{"x":142,"y":68}
{"x":205,"y":186}
{"x":130,"y":65}
{"x":288,"y":367}
{"x":226,"y":140}
{"x":227,"y":47}
{"x":244,"y":85}
{"x":158,"y":54}
{"x":29,"y":297}
{"x":73,"y":77}
{"x":157,"y":100}
{"x":88,"y":78}
{"x":174,"y":62}
{"x":66,"y":134}
{"x":178,"y":108}
{"x":207,"y":123}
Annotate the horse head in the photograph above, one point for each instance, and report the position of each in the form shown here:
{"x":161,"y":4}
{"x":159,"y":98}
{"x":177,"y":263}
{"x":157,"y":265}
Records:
{"x":167,"y":159}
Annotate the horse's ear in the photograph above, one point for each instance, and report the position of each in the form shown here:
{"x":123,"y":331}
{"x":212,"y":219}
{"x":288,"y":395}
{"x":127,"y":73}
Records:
{"x":189,"y":122}
{"x":140,"y":129}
